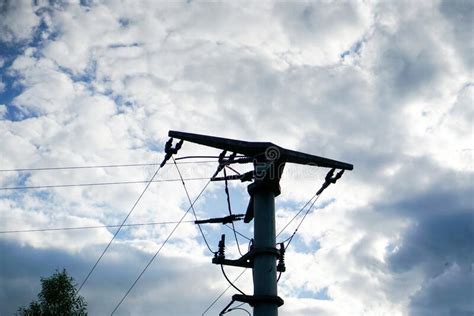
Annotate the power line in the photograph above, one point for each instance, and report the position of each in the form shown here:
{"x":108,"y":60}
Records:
{"x":238,"y":233}
{"x":226,"y":189}
{"x":98,"y":166}
{"x":222,"y":293}
{"x":87,"y":227}
{"x":301,"y":222}
{"x":289,"y":239}
{"x":148,"y":264}
{"x":118,"y":230}
{"x":298,"y":213}
{"x":100,"y":226}
{"x":192,"y":206}
{"x":229,"y":281}
{"x":240,"y":305}
{"x":159,"y":249}
{"x":238,"y":308}
{"x":330,"y":178}
{"x":95,"y":184}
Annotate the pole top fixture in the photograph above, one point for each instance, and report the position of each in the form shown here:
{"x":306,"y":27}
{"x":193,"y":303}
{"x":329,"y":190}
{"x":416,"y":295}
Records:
{"x":266,"y":149}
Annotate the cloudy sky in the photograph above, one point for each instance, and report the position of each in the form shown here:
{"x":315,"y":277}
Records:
{"x":384,"y":85}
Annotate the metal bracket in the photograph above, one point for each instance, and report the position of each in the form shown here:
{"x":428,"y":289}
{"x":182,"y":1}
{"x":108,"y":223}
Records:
{"x":220,"y":220}
{"x":255,"y":299}
{"x":170,"y":151}
{"x":248,"y":176}
{"x":246,"y":261}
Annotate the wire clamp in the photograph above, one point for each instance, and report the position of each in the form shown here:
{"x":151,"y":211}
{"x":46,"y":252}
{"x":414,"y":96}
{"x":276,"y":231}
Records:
{"x":170,"y":151}
{"x":223,"y":162}
{"x":330,"y":178}
{"x":253,"y":299}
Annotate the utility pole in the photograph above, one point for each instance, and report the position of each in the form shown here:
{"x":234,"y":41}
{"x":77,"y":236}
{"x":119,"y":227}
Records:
{"x":264,"y":262}
{"x":268,"y":163}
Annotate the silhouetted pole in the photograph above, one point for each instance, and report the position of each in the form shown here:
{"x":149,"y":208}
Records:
{"x":264,"y":270}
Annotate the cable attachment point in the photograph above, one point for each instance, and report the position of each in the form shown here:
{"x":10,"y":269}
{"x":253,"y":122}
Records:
{"x":330,"y":178}
{"x":221,"y":220}
{"x":170,"y":151}
{"x":223,"y":162}
{"x":220,"y":254}
{"x":222,"y":156}
{"x":281,"y":259}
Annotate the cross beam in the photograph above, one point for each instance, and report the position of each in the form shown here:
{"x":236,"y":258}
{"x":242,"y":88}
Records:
{"x":252,"y":149}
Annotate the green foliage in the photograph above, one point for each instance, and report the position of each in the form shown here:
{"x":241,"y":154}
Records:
{"x":58,"y":297}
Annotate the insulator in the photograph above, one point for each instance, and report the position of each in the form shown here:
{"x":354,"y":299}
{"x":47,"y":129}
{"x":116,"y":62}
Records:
{"x":281,"y":259}
{"x":221,"y":251}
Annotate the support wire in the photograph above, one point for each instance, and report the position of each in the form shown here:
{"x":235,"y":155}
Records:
{"x":94,"y":184}
{"x":230,"y":209}
{"x":230,"y":282}
{"x":222,"y":293}
{"x":192,"y":205}
{"x":97,"y":166}
{"x":118,"y":230}
{"x":288,"y":240}
{"x":85,"y":227}
{"x":159,"y":249}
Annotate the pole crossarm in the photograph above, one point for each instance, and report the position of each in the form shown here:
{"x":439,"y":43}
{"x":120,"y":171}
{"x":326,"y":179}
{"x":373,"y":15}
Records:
{"x":246,"y":261}
{"x":253,"y":149}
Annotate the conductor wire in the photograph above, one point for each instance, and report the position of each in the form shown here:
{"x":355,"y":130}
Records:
{"x":159,"y":249}
{"x":230,"y":210}
{"x":192,"y":205}
{"x":118,"y":230}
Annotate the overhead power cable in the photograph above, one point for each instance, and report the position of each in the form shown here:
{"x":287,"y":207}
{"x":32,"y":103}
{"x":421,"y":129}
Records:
{"x":169,"y":150}
{"x":238,"y":233}
{"x":51,"y":229}
{"x":120,"y":227}
{"x":238,"y":308}
{"x":329,"y":179}
{"x":86,"y":227}
{"x":296,"y":215}
{"x":230,"y":211}
{"x":95,"y":184}
{"x":288,"y":240}
{"x":159,"y":249}
{"x":222,"y":293}
{"x":229,"y":281}
{"x":192,"y":206}
{"x":97,"y":166}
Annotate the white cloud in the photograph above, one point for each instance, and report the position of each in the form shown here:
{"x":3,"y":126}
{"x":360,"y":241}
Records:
{"x":318,"y":33}
{"x":3,"y":110}
{"x":377,"y":84}
{"x":17,"y":20}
